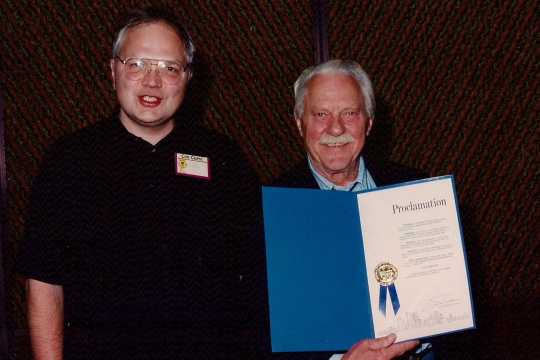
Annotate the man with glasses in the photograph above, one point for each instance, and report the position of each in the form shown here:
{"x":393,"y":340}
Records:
{"x":133,"y":243}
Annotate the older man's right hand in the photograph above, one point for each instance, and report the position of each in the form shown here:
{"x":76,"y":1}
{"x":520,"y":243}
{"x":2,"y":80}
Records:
{"x":379,"y":349}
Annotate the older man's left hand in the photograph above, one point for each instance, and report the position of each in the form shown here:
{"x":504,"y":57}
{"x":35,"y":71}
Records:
{"x":379,"y":349}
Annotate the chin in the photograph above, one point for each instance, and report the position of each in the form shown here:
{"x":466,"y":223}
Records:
{"x":153,"y":121}
{"x":338,"y":164}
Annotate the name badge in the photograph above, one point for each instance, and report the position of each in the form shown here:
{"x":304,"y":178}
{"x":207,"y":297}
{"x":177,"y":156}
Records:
{"x":193,"y":165}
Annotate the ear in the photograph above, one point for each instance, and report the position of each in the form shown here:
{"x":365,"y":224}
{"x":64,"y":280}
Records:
{"x":299,"y":125}
{"x":370,"y":124}
{"x":113,"y":76}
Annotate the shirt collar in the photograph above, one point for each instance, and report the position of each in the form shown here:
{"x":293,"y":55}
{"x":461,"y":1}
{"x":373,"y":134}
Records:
{"x":363,"y":180}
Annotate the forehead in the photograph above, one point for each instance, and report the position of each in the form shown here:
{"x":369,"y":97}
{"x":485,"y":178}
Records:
{"x":153,"y":40}
{"x":333,"y":90}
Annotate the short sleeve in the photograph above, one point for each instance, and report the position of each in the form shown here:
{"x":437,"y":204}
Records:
{"x":51,"y":217}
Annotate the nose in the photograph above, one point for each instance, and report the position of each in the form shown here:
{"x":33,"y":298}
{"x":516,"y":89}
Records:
{"x":152,"y":78}
{"x":336,"y":125}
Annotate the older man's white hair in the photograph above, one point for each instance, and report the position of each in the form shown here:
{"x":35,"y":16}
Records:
{"x":345,"y":67}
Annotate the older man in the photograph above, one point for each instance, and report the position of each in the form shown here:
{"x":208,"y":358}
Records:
{"x":334,"y":112}
{"x":133,"y":240}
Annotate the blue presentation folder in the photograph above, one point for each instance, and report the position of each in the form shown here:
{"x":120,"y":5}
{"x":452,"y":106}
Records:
{"x":324,"y":304}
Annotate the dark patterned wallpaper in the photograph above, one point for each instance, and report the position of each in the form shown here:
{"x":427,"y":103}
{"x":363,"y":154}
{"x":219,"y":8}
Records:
{"x":457,"y":90}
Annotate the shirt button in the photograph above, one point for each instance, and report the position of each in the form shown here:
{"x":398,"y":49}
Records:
{"x":154,"y":150}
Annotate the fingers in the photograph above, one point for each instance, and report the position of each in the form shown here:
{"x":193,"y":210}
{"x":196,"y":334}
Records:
{"x":381,"y":343}
{"x":400,"y":348}
{"x":380,"y":348}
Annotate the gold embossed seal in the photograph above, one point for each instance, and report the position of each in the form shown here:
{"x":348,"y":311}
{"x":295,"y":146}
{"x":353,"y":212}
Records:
{"x":386,"y":273}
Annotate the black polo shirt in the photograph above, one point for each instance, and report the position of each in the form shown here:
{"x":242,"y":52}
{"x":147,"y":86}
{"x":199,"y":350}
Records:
{"x":144,"y":255}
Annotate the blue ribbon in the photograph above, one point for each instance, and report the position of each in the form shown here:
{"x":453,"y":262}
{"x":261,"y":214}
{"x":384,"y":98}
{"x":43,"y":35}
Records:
{"x":393,"y":297}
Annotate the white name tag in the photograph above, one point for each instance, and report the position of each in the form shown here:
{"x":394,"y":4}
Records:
{"x":193,"y":165}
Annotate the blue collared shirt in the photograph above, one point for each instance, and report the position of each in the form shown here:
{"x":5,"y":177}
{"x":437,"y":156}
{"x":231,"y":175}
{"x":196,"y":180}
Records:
{"x":363,"y":180}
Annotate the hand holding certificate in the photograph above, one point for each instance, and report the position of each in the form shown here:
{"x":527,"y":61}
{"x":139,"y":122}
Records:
{"x":344,"y":266}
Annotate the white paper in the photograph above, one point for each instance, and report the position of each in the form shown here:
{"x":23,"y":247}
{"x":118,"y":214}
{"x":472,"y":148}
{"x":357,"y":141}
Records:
{"x":415,"y":227}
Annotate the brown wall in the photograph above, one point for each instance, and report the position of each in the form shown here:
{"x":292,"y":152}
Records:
{"x":457,"y":87}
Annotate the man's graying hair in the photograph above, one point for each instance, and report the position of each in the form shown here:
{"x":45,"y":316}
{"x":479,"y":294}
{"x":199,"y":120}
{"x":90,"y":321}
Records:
{"x":149,"y":16}
{"x":345,"y":67}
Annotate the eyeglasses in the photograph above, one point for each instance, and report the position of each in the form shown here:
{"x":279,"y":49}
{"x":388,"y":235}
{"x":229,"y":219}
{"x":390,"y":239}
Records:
{"x":170,"y":71}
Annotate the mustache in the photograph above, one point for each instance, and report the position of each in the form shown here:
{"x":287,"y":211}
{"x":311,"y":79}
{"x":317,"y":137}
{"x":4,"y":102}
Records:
{"x":335,"y":140}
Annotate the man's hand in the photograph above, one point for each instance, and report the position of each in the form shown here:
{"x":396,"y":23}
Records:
{"x":379,"y":349}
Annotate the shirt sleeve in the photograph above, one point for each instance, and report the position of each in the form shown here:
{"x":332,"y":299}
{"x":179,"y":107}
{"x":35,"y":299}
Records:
{"x":50,"y":224}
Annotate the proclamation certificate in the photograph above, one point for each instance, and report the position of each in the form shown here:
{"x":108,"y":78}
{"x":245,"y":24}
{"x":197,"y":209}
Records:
{"x":345,"y":266}
{"x":415,"y":260}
